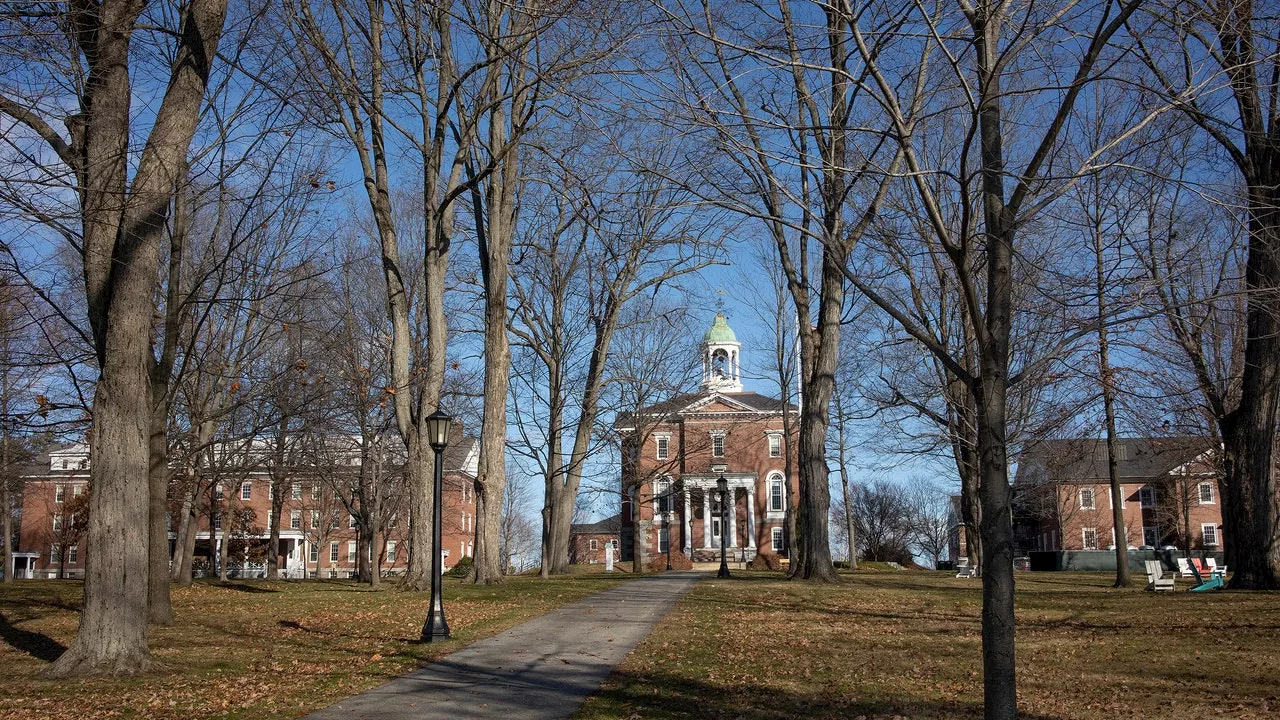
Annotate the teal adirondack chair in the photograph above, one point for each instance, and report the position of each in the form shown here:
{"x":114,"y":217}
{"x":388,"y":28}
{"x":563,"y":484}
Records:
{"x":1213,"y":583}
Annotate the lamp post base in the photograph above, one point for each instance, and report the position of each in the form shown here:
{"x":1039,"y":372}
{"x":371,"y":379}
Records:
{"x":723,"y":572}
{"x":435,"y":629}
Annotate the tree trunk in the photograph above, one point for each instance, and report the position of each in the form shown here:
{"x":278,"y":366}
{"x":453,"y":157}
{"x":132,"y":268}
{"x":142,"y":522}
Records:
{"x":1252,"y":537}
{"x":1109,"y":411}
{"x":815,"y":499}
{"x":159,"y":608}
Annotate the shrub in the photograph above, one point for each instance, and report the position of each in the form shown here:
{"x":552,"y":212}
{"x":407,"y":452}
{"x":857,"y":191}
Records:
{"x":679,"y":561}
{"x":462,"y":568}
{"x":765,"y":561}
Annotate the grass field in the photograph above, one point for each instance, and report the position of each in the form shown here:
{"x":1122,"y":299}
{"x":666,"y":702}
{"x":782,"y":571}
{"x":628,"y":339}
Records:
{"x":255,"y":649}
{"x":907,"y":645}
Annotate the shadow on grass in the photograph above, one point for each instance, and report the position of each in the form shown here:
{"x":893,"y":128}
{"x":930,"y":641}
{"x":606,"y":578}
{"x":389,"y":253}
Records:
{"x":245,"y":587}
{"x":660,"y":695}
{"x":35,"y":644}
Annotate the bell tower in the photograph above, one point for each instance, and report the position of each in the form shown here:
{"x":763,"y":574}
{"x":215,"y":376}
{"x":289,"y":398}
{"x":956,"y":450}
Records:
{"x":720,"y":347}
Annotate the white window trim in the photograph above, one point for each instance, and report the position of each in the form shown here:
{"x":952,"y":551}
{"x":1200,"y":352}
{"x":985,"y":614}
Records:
{"x":351,"y":552}
{"x":718,"y":435}
{"x":775,"y":435}
{"x":1213,"y":496}
{"x":1084,"y":538}
{"x":658,"y":453}
{"x":333,"y":552}
{"x":1093,"y":499}
{"x":295,"y":519}
{"x":1217,"y":541}
{"x":246,"y":490}
{"x":775,"y":539}
{"x":770,"y":513}
{"x":1153,"y":528}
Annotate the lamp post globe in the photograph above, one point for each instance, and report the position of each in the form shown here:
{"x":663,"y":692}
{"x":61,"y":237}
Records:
{"x":723,"y":486}
{"x":436,"y":628}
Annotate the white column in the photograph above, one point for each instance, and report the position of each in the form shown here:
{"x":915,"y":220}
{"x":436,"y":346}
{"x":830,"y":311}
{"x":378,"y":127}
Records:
{"x":751,"y":516}
{"x":688,"y":522}
{"x":707,"y":510}
{"x":733,"y":517}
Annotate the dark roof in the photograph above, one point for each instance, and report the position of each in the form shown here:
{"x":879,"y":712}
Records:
{"x":608,"y":525}
{"x":754,"y":402}
{"x":1081,"y":459}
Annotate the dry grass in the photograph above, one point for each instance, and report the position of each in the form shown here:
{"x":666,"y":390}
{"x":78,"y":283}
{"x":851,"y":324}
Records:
{"x":907,"y":644}
{"x":256,"y":649}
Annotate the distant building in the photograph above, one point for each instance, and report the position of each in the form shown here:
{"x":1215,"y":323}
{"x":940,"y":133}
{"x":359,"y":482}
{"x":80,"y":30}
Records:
{"x":1169,"y":495}
{"x":675,"y":451}
{"x":317,"y":533}
{"x":588,"y":542}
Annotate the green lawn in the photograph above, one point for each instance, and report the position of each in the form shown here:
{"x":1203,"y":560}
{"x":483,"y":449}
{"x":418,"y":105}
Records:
{"x":907,"y":644}
{"x":256,"y":649}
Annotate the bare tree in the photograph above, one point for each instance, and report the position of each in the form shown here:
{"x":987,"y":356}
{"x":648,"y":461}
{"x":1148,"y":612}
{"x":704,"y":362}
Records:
{"x":1210,"y":61}
{"x":123,"y":216}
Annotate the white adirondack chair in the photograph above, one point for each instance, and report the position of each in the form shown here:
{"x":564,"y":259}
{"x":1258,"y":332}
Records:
{"x":1156,"y":579}
{"x":1215,"y":568}
{"x":1184,"y":568}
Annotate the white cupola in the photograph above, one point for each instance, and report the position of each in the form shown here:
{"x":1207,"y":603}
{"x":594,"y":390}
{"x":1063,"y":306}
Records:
{"x":720,"y":347}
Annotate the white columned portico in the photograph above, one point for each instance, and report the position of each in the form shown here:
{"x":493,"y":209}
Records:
{"x":751,"y":516}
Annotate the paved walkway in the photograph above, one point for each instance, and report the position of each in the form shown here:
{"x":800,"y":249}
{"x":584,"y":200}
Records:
{"x":540,"y":670}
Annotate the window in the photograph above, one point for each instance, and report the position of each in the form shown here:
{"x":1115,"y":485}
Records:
{"x":76,"y":490}
{"x":1148,"y":496}
{"x":717,"y":445}
{"x":393,"y":522}
{"x":594,"y":545}
{"x":777,"y":498}
{"x":217,"y":521}
{"x":314,"y":553}
{"x":662,"y":496}
{"x":1150,"y":536}
{"x":71,"y":554}
{"x":777,"y":539}
{"x":1090,"y":538}
{"x":1206,"y":493}
{"x":54,"y":555}
{"x":57,"y":523}
{"x":1086,"y":498}
{"x":664,"y":447}
{"x":775,"y":445}
{"x":66,"y":464}
{"x":333,"y":552}
{"x":351,"y":521}
{"x":84,"y":464}
{"x":315,"y":491}
{"x":334,"y":522}
{"x":1209,"y":532}
{"x":391,"y":551}
{"x":351,"y":551}
{"x":664,"y":536}
{"x":246,"y":490}
{"x":217,"y":491}
{"x":271,"y":492}
{"x":470,"y":549}
{"x":297,"y":491}
{"x":295,"y":520}
{"x":59,"y":493}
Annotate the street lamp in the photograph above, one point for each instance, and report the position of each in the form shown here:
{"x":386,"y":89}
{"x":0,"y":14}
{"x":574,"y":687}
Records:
{"x":723,"y":486}
{"x":436,"y":628}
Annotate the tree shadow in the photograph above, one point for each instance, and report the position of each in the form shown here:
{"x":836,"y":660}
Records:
{"x":657,"y":694}
{"x":245,"y":587}
{"x":37,"y":645}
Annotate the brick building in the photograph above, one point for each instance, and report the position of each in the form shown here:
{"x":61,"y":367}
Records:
{"x":1169,"y":490}
{"x":317,"y":533}
{"x":675,"y":451}
{"x":588,"y":542}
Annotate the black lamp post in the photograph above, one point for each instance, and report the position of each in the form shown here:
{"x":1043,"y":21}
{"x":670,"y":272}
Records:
{"x":723,"y":486}
{"x":435,"y":628}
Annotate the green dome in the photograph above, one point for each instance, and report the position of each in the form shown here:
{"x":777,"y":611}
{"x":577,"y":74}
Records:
{"x":720,"y":332}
